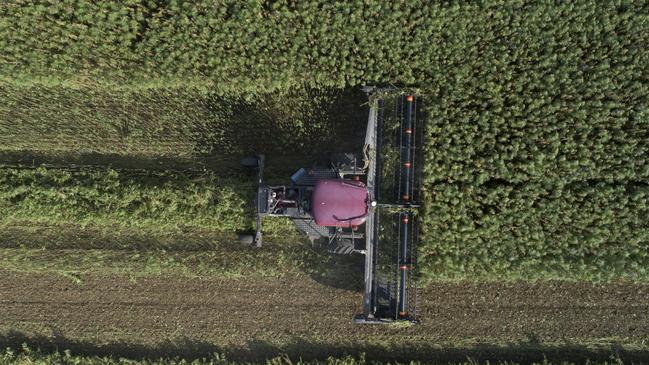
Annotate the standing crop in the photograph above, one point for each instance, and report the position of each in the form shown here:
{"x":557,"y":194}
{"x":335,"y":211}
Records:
{"x":538,"y":145}
{"x":259,"y":46}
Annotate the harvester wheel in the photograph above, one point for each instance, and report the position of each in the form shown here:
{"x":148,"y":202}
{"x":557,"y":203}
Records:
{"x":246,"y":239}
{"x":249,"y":162}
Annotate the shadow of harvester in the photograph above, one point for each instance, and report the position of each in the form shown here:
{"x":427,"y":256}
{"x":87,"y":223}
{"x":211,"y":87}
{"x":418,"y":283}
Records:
{"x":197,"y":131}
{"x":259,"y":351}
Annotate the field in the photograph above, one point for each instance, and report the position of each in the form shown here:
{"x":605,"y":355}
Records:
{"x":305,"y":319}
{"x":121,"y":127}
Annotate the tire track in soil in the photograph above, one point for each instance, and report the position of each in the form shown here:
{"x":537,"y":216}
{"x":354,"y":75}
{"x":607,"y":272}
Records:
{"x":251,"y":312}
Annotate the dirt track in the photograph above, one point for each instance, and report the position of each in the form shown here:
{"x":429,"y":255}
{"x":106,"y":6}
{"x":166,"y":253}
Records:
{"x":264,"y":317}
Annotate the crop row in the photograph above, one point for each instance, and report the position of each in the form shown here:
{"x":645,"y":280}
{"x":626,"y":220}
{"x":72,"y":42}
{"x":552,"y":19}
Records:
{"x":142,"y":223}
{"x":163,"y":200}
{"x":537,"y":143}
{"x":259,"y":46}
{"x":581,"y":231}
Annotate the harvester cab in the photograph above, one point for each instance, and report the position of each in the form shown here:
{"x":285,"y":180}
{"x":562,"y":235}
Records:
{"x":364,"y":205}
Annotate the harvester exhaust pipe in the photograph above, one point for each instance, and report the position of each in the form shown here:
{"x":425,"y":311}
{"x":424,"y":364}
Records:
{"x":407,"y":172}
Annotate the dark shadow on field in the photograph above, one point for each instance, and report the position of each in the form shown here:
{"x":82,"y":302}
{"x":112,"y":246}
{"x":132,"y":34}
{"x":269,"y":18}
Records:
{"x":337,"y":271}
{"x":293,"y":129}
{"x":70,"y":236}
{"x":259,"y":351}
{"x":71,"y":160}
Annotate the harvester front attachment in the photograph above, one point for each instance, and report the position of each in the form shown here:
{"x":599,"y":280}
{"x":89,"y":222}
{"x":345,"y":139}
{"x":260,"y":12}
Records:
{"x":393,"y":150}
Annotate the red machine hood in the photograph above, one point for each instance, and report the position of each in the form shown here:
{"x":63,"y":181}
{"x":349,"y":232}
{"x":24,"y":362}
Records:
{"x":339,"y":203}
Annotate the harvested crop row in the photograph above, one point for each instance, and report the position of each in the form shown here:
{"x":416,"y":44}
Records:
{"x":157,"y":123}
{"x":486,"y":321}
{"x":163,"y":201}
{"x":225,"y":260}
{"x":27,"y":355}
{"x":180,"y":123}
{"x":578,"y":231}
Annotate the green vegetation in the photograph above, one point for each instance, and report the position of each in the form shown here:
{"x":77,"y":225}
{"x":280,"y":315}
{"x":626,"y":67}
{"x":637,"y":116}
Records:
{"x":585,"y":231}
{"x":538,"y":146}
{"x":258,"y":46}
{"x":148,"y":44}
{"x":90,"y":120}
{"x":232,"y":261}
{"x":163,"y":201}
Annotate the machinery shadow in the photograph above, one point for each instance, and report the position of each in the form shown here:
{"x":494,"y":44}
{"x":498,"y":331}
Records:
{"x":260,"y":351}
{"x":292,"y":129}
{"x":336,"y":271}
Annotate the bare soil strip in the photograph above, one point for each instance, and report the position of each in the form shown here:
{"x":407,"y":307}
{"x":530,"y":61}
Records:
{"x":253,"y":318}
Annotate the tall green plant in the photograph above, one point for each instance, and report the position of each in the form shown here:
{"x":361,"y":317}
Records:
{"x":261,"y":45}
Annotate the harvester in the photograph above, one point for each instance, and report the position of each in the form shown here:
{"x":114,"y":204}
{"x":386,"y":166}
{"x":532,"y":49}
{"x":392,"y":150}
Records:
{"x":363,"y":203}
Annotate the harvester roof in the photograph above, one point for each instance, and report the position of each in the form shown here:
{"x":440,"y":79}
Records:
{"x":340,"y":203}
